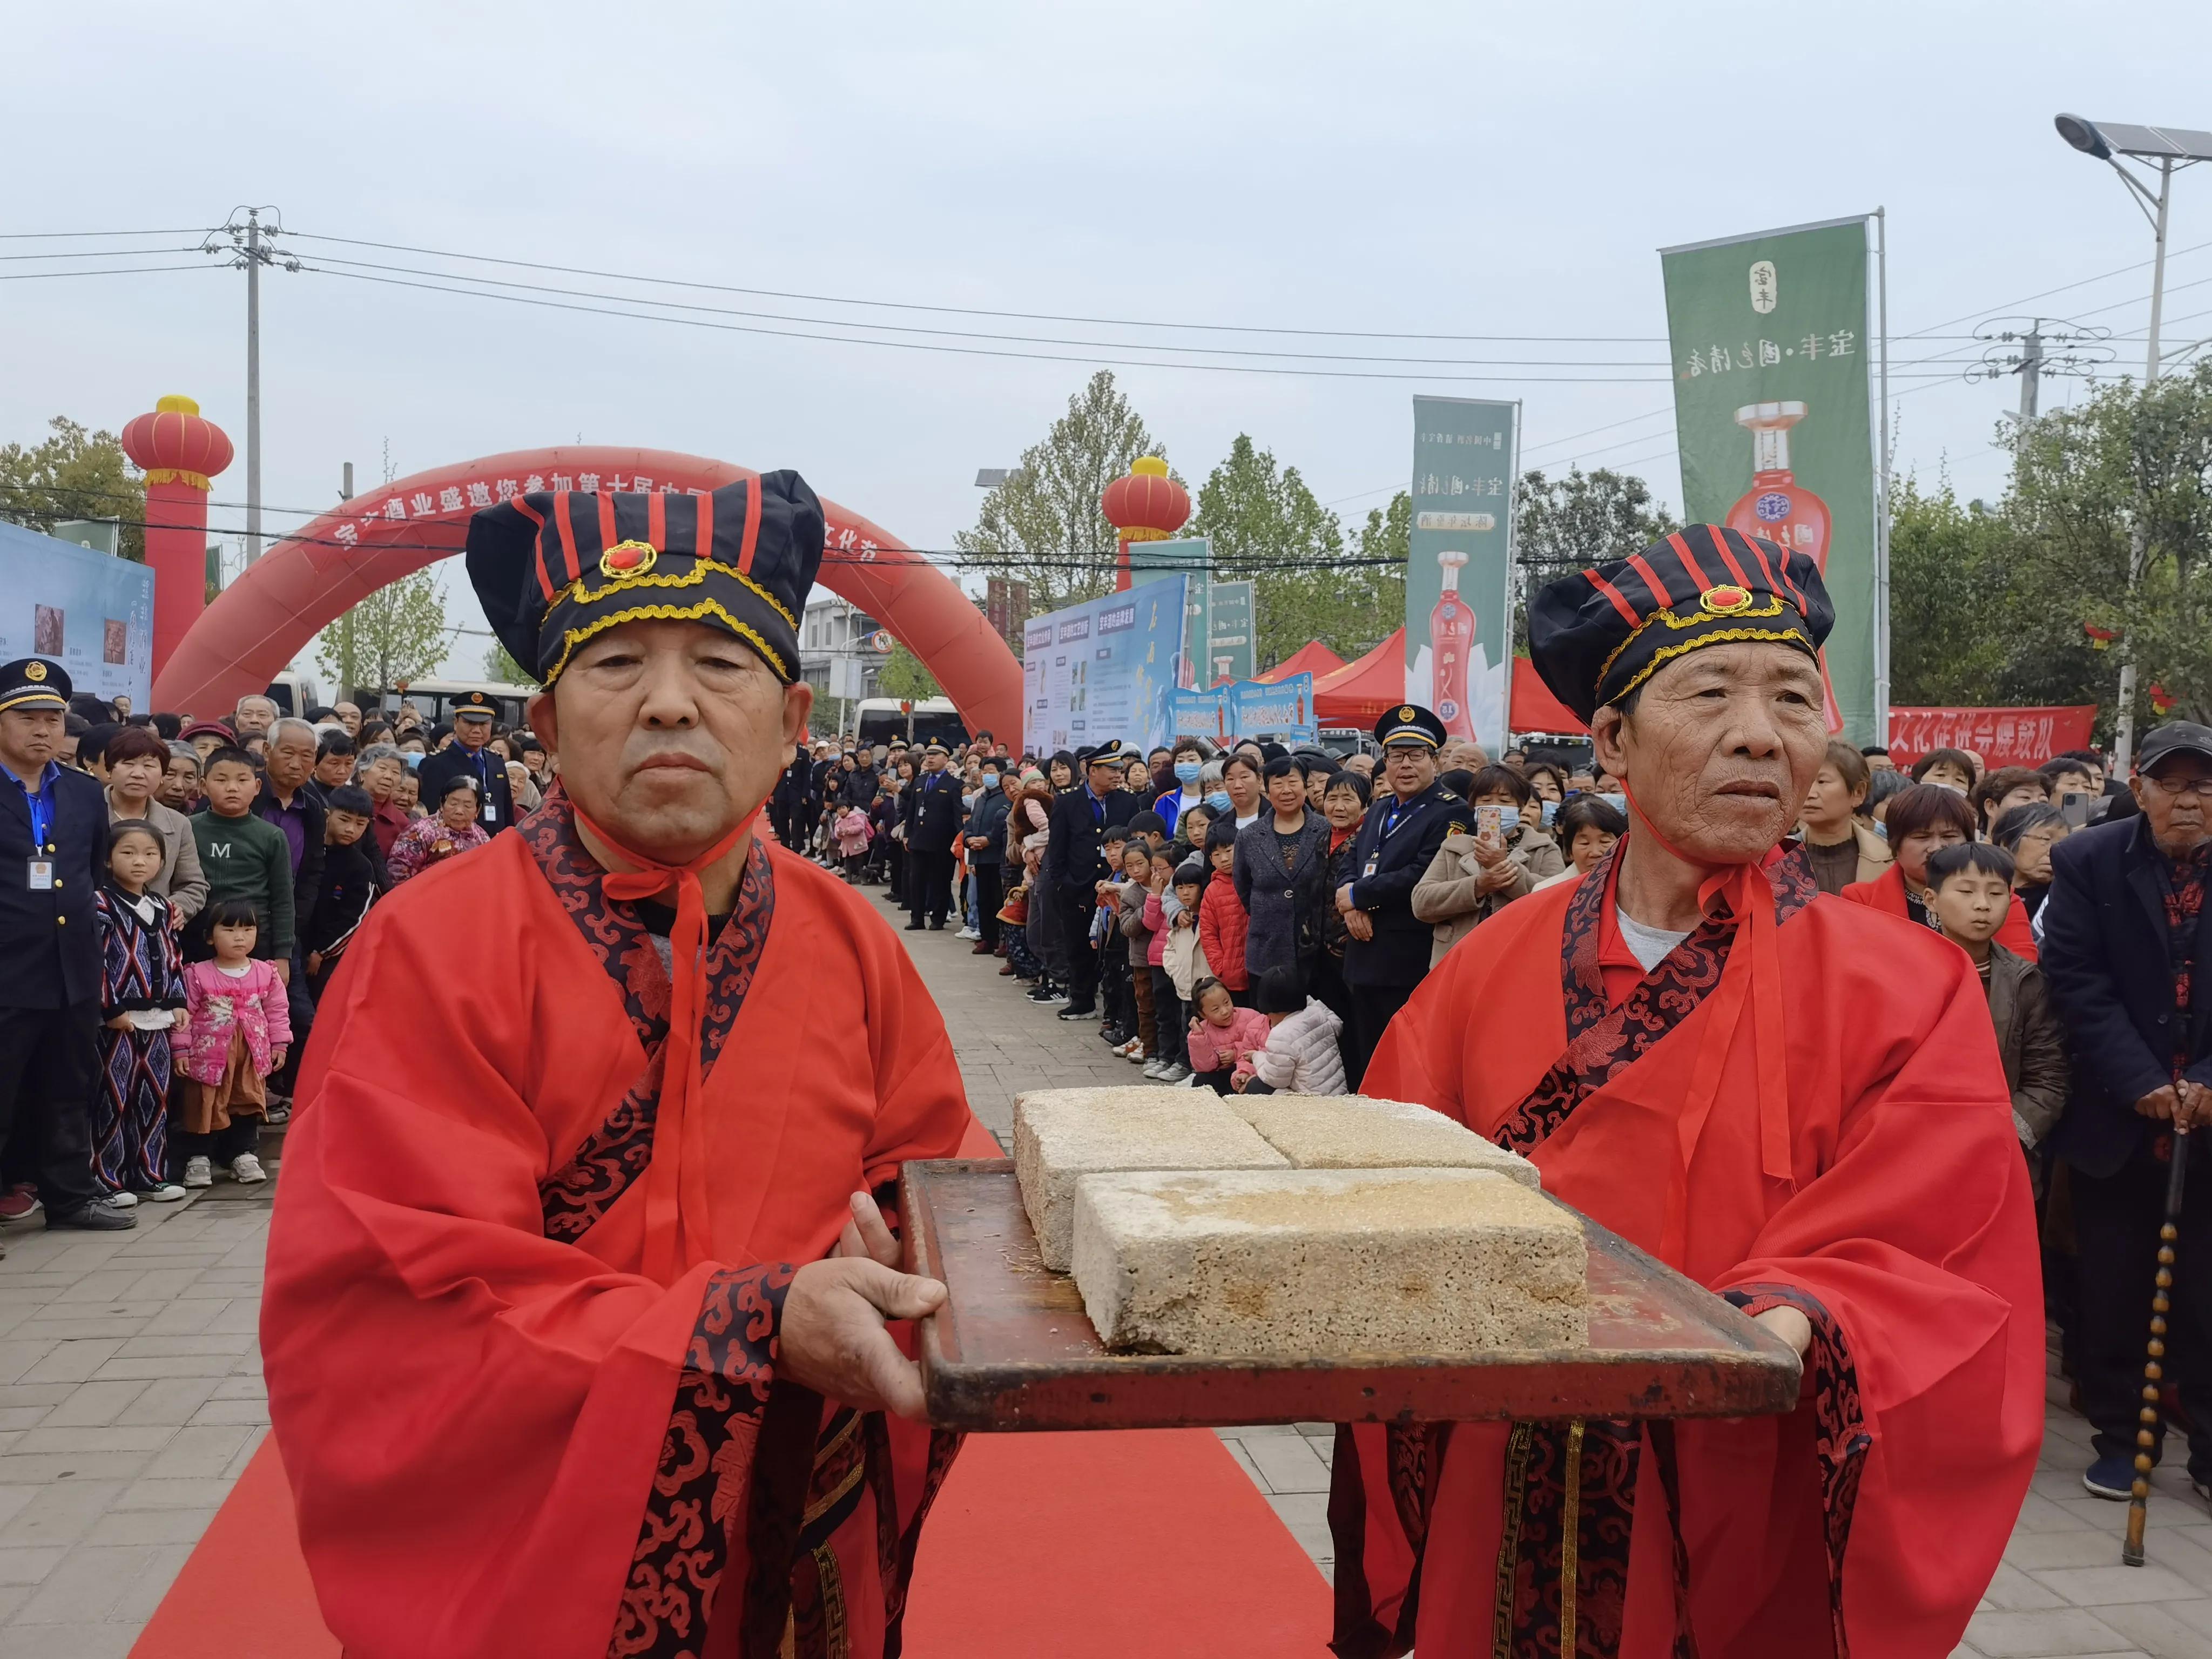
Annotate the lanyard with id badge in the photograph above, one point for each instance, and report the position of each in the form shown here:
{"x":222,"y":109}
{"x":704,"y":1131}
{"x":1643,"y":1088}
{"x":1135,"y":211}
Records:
{"x":1393,"y":821}
{"x":42,"y":804}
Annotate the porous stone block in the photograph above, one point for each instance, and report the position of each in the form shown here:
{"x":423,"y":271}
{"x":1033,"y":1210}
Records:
{"x":1357,"y":1132}
{"x":1062,"y":1134}
{"x":1327,"y":1264}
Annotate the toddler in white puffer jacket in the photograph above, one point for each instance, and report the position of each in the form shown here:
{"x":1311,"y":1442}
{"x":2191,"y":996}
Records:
{"x":1301,"y":1056}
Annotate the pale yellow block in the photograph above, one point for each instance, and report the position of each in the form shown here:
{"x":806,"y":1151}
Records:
{"x":1329,"y":1264}
{"x":1356,"y":1132}
{"x":1061,"y":1134}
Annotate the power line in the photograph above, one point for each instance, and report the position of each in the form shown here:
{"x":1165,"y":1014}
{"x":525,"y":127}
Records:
{"x":986,"y":351}
{"x":59,"y":235}
{"x":975,"y":311}
{"x":116,"y":271}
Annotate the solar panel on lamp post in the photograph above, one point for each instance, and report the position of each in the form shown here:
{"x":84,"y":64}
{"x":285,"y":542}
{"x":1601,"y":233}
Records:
{"x":2172,"y":148}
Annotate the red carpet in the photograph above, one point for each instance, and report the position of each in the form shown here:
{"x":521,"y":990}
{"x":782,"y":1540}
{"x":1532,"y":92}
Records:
{"x":1072,"y":1545}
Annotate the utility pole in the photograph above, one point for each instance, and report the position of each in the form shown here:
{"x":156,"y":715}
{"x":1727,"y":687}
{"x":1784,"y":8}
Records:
{"x":2030,"y":366}
{"x":248,"y":245}
{"x":252,"y":385}
{"x":346,"y":678}
{"x":2123,"y":736}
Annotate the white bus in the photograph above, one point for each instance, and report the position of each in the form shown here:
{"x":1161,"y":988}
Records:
{"x":880,"y":722}
{"x":435,"y":700}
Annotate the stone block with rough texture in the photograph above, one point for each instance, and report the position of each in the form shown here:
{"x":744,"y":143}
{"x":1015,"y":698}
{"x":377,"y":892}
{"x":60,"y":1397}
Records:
{"x":1327,"y":1264}
{"x":1061,"y":1134}
{"x":1356,"y":1132}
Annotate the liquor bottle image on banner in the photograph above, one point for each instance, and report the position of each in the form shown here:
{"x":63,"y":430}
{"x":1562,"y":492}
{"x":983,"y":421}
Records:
{"x":1779,"y":509}
{"x":1451,"y":643}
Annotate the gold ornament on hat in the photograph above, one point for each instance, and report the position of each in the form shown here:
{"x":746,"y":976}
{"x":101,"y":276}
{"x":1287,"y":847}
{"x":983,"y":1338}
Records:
{"x":1726,"y":600}
{"x":626,"y":560}
{"x":1406,"y":712}
{"x":35,"y":671}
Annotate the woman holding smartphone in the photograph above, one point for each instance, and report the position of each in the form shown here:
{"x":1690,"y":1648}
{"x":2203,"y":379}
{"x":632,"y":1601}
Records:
{"x":1473,"y":876}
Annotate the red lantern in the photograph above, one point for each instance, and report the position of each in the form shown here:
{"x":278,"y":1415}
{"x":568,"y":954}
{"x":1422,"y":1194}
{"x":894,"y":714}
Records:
{"x":1147,"y":506}
{"x":177,"y":444}
{"x":2100,"y":639}
{"x":181,"y":450}
{"x":2161,"y":701}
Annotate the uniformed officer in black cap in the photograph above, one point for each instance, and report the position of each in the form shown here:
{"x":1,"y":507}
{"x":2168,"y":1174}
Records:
{"x":1074,"y":867}
{"x":1387,"y":955}
{"x":932,"y":811}
{"x":53,"y":850}
{"x":467,"y":755}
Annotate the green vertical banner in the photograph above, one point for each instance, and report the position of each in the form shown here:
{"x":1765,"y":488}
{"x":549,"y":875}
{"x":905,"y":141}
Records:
{"x":1773,"y":412}
{"x":1232,"y":635}
{"x":1191,"y":557}
{"x":1459,"y":631}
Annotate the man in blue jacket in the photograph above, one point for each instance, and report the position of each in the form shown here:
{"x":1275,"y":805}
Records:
{"x":53,"y":851}
{"x":2127,"y":950}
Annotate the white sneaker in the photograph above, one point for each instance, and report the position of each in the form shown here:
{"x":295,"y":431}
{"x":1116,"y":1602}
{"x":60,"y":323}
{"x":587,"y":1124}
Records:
{"x":968,"y":934}
{"x":199,"y":1172}
{"x":167,"y":1192}
{"x":248,"y":1168}
{"x":1175,"y":1072}
{"x":1133,"y":1050}
{"x":123,"y":1200}
{"x":1152,"y":1069}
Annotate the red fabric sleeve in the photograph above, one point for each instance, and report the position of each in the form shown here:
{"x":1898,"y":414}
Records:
{"x":465,"y":1408}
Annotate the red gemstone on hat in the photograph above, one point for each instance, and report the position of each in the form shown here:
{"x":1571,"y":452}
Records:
{"x":623,"y":558}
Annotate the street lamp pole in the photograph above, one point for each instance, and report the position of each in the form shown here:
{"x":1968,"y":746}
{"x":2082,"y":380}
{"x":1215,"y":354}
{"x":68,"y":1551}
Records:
{"x":2172,"y":148}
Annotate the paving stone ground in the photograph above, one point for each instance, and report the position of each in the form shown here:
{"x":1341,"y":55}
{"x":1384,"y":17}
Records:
{"x":130,"y":1398}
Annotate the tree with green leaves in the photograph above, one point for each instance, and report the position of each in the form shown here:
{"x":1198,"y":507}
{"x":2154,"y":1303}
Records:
{"x":74,"y":474}
{"x":397,"y":633}
{"x":1563,"y":525}
{"x":903,"y":675}
{"x":1043,"y":525}
{"x":500,"y":664}
{"x":1264,"y":524}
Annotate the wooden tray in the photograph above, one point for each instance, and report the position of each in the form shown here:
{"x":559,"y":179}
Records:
{"x":1012,"y":1349}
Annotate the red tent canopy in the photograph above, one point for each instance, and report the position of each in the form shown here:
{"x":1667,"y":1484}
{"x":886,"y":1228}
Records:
{"x":1312,"y":658}
{"x":1364,"y":690}
{"x":1534,"y":707}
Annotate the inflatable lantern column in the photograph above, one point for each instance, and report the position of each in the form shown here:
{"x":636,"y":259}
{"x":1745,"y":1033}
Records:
{"x":181,"y":452}
{"x":1147,"y":506}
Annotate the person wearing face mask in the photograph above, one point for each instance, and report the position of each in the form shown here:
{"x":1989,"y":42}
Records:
{"x":985,"y":835}
{"x":1189,"y":760}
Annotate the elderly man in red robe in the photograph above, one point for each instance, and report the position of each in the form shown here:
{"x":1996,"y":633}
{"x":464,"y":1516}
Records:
{"x":1794,"y":1101}
{"x":575,"y":1325}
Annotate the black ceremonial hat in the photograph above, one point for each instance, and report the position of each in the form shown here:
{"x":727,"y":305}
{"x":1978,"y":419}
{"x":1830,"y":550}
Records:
{"x":1597,"y":635}
{"x":1105,"y":754}
{"x":554,"y":568}
{"x":34,"y":682}
{"x":476,"y":703}
{"x":1409,"y":723}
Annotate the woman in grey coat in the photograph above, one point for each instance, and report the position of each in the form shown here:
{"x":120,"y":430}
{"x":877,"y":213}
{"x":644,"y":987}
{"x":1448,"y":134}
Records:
{"x":1281,"y":876}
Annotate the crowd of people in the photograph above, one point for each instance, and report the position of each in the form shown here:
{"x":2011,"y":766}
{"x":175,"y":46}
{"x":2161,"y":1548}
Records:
{"x":181,"y":891}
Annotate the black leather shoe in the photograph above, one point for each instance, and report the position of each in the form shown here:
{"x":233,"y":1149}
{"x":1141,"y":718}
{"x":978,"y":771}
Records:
{"x":914,"y":928}
{"x":1085,"y":1011}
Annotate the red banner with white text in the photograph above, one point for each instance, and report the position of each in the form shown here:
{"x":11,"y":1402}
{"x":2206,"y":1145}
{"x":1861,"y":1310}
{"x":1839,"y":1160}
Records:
{"x":2001,"y":737}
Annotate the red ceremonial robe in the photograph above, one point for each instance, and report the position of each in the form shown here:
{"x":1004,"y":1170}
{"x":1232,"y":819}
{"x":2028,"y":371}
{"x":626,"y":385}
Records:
{"x":504,"y":1438}
{"x":1869,"y":1520}
{"x":1887,"y":892}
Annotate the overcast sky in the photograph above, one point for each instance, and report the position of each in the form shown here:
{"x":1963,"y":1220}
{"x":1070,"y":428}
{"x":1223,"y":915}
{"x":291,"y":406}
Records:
{"x":1447,"y":169}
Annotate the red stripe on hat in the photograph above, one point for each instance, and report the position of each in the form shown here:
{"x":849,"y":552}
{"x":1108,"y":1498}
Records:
{"x":567,"y":528}
{"x":607,"y":536}
{"x":703,"y":534}
{"x":656,"y":521}
{"x":1784,"y":582}
{"x":1642,"y":567}
{"x":1681,"y":544}
{"x":1773,"y":583}
{"x":751,"y":537}
{"x":1627,"y":610}
{"x":545,"y":584}
{"x":1728,"y":558}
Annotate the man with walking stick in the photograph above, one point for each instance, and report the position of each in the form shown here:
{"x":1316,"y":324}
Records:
{"x":2127,"y":950}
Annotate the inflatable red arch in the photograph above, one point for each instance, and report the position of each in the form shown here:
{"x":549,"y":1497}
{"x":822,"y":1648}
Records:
{"x":307,"y":580}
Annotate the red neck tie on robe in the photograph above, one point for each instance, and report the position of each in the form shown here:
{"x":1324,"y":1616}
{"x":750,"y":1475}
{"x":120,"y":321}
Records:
{"x":677,"y":1227}
{"x":1753,"y":979}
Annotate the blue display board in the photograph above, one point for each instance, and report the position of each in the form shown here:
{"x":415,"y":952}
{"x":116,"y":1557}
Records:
{"x":92,"y":614}
{"x":1282,"y":710}
{"x":1105,"y":669}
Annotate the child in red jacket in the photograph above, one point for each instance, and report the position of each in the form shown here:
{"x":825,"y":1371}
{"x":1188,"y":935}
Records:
{"x":1221,"y":917}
